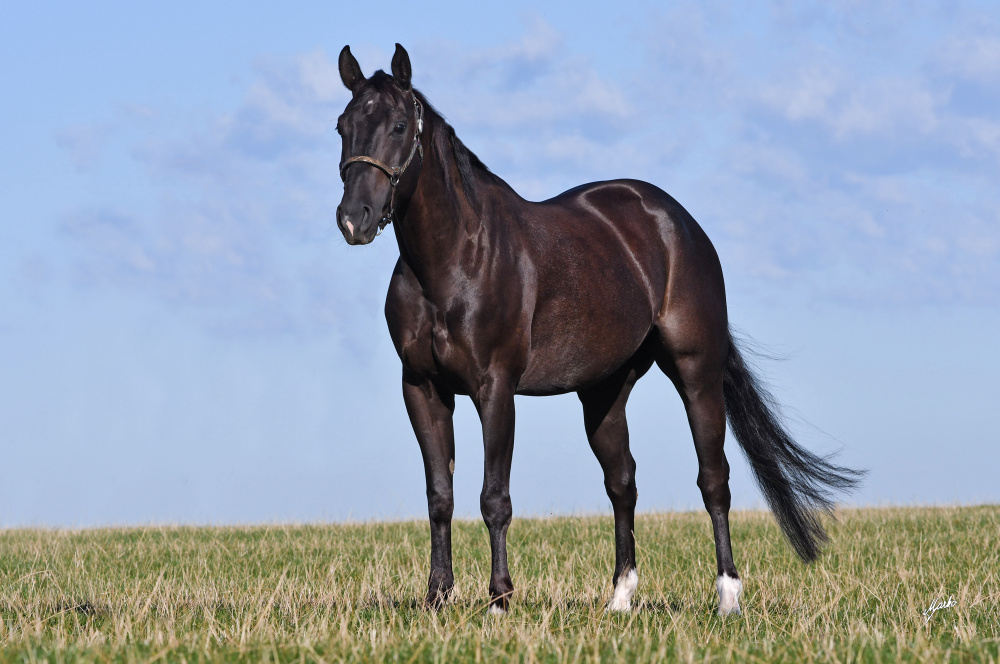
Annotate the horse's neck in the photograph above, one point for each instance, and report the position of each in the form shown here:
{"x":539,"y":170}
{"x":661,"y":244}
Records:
{"x":441,"y":233}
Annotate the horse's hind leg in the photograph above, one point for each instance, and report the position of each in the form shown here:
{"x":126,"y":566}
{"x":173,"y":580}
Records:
{"x":698,"y":377}
{"x":607,"y":431}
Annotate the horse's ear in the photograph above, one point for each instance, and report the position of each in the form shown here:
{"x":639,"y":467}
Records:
{"x":350,"y":70}
{"x":401,"y":67}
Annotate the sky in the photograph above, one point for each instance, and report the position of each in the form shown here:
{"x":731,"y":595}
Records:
{"x":185,"y":337}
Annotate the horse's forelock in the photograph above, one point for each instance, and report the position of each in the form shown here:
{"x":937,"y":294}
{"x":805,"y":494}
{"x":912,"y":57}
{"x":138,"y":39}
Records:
{"x":385,"y":86}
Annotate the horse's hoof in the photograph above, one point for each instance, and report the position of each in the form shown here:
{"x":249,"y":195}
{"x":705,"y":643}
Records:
{"x":729,"y":589}
{"x":500,"y":593}
{"x":435,"y":602}
{"x":621,"y":601}
{"x":437,"y":598}
{"x":499,"y":605}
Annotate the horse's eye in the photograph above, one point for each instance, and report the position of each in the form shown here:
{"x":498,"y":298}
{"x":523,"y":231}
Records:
{"x":400,"y":128}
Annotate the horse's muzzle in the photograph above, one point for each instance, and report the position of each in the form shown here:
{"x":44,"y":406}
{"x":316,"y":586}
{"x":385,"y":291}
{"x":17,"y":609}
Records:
{"x":358,"y":227}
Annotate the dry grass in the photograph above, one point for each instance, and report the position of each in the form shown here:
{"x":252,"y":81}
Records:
{"x":350,"y":592}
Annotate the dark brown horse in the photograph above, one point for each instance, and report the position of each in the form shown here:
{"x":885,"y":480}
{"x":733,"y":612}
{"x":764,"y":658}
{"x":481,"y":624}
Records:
{"x":494,"y":296}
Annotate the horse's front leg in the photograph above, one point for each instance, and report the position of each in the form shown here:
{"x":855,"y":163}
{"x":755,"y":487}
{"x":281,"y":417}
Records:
{"x":495,"y":403}
{"x":430,"y":409}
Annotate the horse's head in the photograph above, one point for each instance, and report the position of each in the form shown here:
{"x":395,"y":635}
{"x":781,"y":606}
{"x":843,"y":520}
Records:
{"x":381,"y":155}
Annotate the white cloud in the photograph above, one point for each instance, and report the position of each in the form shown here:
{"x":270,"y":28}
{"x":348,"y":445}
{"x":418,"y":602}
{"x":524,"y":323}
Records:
{"x":526,"y":86}
{"x":976,"y":135}
{"x":808,"y":97}
{"x":855,"y":107}
{"x":975,"y":57}
{"x":84,"y":143}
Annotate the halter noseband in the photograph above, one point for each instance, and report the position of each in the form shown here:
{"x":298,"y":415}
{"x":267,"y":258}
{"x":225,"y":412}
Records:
{"x":393,"y":172}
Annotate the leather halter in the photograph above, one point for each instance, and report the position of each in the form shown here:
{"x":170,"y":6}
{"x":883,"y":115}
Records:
{"x":392,"y":172}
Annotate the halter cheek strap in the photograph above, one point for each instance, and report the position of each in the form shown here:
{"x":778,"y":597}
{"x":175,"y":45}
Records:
{"x":393,"y":172}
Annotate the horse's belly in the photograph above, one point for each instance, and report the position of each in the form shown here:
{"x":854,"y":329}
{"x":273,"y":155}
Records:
{"x":572,"y":352}
{"x":561,"y":370}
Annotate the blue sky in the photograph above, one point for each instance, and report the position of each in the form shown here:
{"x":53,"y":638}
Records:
{"x":185,"y":336}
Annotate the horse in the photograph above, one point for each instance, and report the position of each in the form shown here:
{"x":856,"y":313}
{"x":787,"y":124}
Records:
{"x":494,"y":296}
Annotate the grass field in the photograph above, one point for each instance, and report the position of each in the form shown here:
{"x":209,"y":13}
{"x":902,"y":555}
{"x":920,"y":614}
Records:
{"x":350,"y":593}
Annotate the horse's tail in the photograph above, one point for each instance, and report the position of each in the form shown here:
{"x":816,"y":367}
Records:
{"x":796,"y":483}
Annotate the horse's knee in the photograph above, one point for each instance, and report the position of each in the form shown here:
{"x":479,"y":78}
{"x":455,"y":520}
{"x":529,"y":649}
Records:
{"x":496,"y":509}
{"x":440,"y":507}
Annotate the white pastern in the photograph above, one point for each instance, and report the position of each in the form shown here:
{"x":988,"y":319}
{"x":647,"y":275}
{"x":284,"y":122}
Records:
{"x":497,"y":610}
{"x":729,"y":594}
{"x":624,"y":591}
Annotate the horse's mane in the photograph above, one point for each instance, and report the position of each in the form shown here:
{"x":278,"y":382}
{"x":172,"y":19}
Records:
{"x":471,"y":169}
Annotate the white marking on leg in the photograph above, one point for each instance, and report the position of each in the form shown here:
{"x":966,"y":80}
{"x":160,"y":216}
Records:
{"x":497,"y":610}
{"x":624,"y":591}
{"x":729,"y":594}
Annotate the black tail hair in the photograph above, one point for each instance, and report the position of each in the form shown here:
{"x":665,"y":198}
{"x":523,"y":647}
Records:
{"x":796,"y":483}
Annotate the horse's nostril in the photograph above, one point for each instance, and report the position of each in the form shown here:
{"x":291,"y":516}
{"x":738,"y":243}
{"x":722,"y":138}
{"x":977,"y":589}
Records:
{"x":340,"y":217}
{"x":367,"y":213}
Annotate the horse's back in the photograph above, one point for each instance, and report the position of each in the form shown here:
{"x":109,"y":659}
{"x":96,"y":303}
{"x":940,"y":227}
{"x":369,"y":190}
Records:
{"x":647,"y":227}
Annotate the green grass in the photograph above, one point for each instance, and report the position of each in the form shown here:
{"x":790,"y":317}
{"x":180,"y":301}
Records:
{"x":351,"y":593}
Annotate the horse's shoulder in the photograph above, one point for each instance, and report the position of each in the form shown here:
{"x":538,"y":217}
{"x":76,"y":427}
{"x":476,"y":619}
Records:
{"x":406,"y":311}
{"x":404,"y":301}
